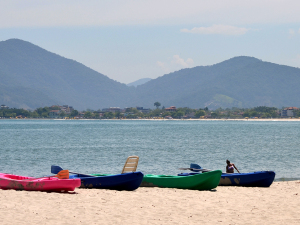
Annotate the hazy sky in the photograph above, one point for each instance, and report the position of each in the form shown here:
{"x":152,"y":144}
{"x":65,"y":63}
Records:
{"x":131,"y":39}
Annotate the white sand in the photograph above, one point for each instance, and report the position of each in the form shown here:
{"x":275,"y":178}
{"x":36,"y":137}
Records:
{"x":279,"y":204}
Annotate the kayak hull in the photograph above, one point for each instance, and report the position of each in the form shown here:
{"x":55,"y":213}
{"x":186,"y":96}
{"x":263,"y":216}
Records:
{"x":202,"y":181}
{"x":125,"y":181}
{"x":254,"y":179}
{"x":9,"y":181}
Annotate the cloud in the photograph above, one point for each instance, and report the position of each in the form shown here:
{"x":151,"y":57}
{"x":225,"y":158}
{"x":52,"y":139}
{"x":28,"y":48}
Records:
{"x":176,"y":63}
{"x":291,"y":32}
{"x":217,"y":29}
{"x":163,"y":66}
{"x":184,"y":64}
{"x":51,"y":13}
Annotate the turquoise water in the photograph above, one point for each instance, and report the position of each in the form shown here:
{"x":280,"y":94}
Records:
{"x":30,"y":147}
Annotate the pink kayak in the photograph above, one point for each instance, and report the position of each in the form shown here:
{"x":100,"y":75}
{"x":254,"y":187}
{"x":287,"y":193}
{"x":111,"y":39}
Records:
{"x":9,"y":181}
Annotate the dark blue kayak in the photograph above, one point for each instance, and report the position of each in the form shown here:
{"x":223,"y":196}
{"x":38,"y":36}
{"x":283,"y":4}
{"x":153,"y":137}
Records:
{"x":124,"y":181}
{"x":254,"y":179}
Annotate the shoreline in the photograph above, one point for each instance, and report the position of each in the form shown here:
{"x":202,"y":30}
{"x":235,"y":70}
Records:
{"x":278,"y":204}
{"x":264,"y":120}
{"x":286,"y":179}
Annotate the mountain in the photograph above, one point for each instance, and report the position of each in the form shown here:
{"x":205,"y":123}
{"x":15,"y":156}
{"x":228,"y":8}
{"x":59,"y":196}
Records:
{"x":237,"y":82}
{"x":139,"y":82}
{"x":32,"y":77}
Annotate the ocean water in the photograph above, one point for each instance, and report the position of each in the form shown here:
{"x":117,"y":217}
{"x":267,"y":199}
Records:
{"x":30,"y":147}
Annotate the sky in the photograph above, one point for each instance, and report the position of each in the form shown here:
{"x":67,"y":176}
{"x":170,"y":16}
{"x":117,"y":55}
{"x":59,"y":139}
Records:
{"x":128,"y":40}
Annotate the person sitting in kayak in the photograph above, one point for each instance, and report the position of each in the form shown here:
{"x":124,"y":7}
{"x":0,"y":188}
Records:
{"x":230,"y":167}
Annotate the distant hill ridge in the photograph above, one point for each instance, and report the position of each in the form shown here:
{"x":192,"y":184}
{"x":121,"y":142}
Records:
{"x":32,"y":77}
{"x":139,"y":82}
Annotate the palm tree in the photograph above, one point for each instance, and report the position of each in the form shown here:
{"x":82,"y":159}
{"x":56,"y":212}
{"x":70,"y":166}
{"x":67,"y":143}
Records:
{"x":157,"y":104}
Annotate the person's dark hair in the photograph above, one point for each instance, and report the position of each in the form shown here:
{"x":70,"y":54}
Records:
{"x":227,"y":161}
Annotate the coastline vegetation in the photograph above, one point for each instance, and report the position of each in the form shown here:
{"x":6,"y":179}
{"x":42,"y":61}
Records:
{"x":134,"y":113}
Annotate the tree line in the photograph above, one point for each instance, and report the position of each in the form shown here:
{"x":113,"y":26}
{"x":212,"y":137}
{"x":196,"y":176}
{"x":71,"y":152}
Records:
{"x":134,"y":113}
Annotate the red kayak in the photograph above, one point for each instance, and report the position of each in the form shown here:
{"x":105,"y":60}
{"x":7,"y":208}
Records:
{"x":9,"y":181}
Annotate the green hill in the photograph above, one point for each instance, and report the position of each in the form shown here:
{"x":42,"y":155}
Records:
{"x":237,"y":82}
{"x":36,"y":77}
{"x":32,"y":77}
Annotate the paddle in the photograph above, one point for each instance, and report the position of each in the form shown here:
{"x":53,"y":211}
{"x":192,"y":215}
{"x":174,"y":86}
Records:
{"x":63,"y":174}
{"x":196,"y":168}
{"x":57,"y":169}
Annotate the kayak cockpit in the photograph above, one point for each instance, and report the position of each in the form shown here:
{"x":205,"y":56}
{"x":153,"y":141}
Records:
{"x":14,"y":177}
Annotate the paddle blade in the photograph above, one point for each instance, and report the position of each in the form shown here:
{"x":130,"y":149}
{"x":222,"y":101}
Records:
{"x":63,"y":174}
{"x":55,"y":169}
{"x":195,"y":166}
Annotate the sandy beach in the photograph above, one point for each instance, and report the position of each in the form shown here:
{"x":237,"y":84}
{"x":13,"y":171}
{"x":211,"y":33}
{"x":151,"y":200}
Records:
{"x":278,"y":204}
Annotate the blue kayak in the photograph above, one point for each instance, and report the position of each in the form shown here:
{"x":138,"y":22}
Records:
{"x":254,"y":179}
{"x":124,"y":181}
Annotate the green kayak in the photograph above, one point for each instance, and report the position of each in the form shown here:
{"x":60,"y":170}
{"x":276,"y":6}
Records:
{"x":201,"y":181}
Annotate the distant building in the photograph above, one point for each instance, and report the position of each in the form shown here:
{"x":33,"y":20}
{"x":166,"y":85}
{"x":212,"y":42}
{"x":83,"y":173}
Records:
{"x":171,"y":109}
{"x":189,"y":116}
{"x":142,"y":110}
{"x":288,"y":112}
{"x":4,"y":107}
{"x":67,"y":109}
{"x":54,"y":113}
{"x":112,"y":109}
{"x":80,"y":115}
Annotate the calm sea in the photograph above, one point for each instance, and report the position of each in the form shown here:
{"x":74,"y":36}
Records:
{"x":30,"y":147}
